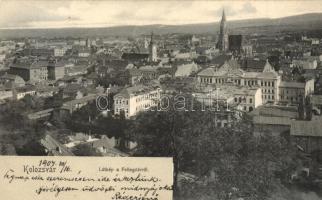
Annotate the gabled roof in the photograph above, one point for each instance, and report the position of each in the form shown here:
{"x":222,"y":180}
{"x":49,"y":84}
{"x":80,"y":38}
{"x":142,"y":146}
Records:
{"x":229,"y":67}
{"x":54,"y":147}
{"x":210,"y":71}
{"x":268,"y":67}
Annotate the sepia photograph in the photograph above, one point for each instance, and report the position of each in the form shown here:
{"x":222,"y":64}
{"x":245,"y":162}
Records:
{"x":161,"y":99}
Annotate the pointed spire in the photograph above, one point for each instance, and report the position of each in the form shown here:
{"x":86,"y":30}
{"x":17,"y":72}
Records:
{"x":223,"y":18}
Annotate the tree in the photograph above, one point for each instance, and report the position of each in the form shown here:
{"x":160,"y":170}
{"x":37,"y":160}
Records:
{"x":228,"y":161}
{"x":169,"y":133}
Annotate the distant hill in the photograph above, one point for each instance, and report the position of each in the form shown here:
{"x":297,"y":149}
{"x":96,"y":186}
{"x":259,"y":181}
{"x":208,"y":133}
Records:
{"x":304,"y":22}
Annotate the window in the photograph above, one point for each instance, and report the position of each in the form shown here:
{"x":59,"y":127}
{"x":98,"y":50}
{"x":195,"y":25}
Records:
{"x":250,"y":100}
{"x":250,"y":109}
{"x":273,"y":84}
{"x":235,"y":99}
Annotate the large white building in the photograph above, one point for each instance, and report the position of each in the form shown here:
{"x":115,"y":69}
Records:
{"x":242,"y":98}
{"x":230,"y":72}
{"x":273,"y":89}
{"x":135,"y":99}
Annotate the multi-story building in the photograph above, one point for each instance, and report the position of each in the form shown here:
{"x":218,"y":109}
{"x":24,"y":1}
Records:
{"x":21,"y":92}
{"x":56,"y":70}
{"x":135,"y":99}
{"x":59,"y":51}
{"x":230,"y":72}
{"x":294,"y":92}
{"x":239,"y":98}
{"x":35,"y":71}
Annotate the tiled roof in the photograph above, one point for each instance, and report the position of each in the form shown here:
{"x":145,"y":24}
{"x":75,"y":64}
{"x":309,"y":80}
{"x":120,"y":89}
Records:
{"x":54,"y":147}
{"x":210,"y":71}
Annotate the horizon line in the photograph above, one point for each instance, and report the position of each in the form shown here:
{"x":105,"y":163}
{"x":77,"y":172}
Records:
{"x":156,"y":24}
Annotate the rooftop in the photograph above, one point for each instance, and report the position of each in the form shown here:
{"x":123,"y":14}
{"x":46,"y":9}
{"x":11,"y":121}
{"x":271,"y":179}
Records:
{"x":307,"y":128}
{"x":292,"y":84}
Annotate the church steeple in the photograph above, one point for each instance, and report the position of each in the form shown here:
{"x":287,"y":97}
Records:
{"x":223,"y":17}
{"x":222,"y":43}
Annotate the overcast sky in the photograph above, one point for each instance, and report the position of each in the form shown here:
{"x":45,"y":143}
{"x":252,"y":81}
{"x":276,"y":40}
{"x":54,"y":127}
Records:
{"x":45,"y":14}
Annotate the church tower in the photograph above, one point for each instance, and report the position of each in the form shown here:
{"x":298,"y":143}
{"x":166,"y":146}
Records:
{"x":222,"y":43}
{"x":152,"y":50}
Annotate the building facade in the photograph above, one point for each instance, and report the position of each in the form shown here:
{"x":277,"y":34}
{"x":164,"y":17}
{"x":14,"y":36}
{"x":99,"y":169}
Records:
{"x":135,"y":99}
{"x":35,"y":71}
{"x":231,"y":73}
{"x":294,"y":92}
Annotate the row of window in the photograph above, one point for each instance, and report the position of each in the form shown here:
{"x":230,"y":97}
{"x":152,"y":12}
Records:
{"x":267,"y":83}
{"x":290,"y":98}
{"x":249,"y":109}
{"x":146,"y":97}
{"x":239,"y":100}
{"x":250,"y":82}
{"x":292,"y":91}
{"x":268,"y":97}
{"x":209,"y":80}
{"x":237,"y":81}
{"x":120,"y":101}
{"x":267,"y":91}
{"x":117,"y":110}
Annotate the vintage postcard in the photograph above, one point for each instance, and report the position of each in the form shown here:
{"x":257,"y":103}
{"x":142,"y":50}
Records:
{"x":160,"y":100}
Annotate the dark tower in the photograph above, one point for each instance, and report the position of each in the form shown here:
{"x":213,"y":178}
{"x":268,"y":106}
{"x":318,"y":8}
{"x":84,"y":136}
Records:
{"x":222,"y":43}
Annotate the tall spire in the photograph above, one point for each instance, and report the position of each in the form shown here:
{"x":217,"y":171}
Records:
{"x":223,"y":18}
{"x":222,"y":43}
